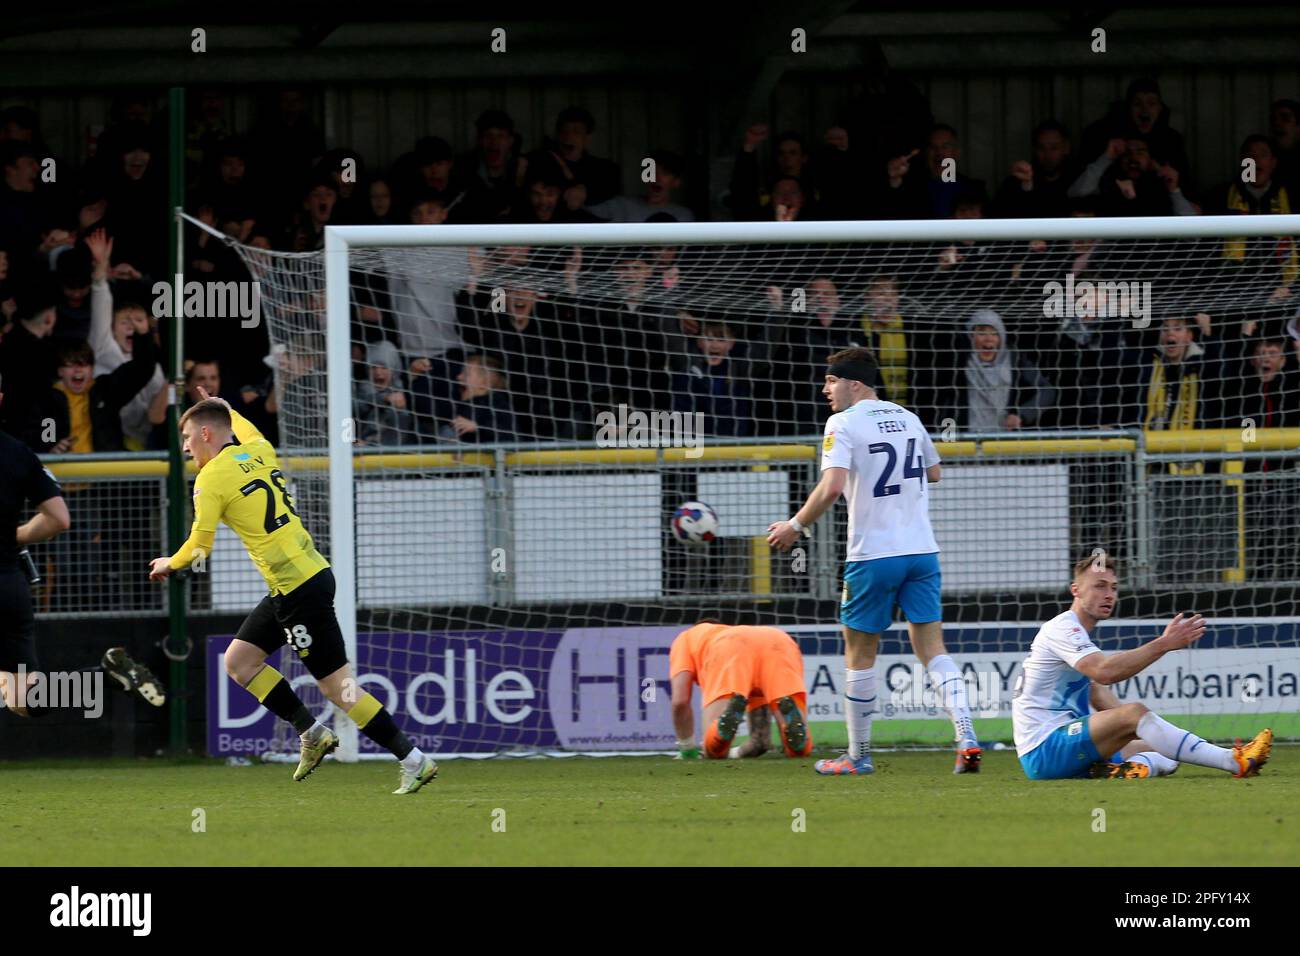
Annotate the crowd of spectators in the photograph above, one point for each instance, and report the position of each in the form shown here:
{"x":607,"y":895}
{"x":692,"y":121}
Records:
{"x":445,"y":352}
{"x":517,"y":344}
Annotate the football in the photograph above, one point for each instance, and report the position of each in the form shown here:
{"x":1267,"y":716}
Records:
{"x":695,"y":524}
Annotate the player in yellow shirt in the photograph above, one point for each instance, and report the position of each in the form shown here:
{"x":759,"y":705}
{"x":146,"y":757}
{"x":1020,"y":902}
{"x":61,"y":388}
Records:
{"x":240,"y":483}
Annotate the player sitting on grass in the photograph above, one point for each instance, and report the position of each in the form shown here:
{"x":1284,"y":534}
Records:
{"x":240,"y":483}
{"x":1056,"y":734}
{"x":738,"y":669}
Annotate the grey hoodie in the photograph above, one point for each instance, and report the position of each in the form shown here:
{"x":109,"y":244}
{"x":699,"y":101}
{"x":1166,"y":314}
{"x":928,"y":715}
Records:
{"x":378,"y":421}
{"x":989,"y":393}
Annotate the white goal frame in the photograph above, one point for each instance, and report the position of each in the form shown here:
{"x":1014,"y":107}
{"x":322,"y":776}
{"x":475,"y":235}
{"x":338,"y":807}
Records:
{"x":339,"y":240}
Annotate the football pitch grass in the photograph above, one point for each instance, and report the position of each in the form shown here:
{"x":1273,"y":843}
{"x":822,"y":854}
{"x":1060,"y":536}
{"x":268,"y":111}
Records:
{"x":650,"y":810}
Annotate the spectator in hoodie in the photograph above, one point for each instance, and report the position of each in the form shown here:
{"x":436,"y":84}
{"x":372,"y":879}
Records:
{"x":1037,"y":188}
{"x":1129,"y":180}
{"x":991,"y":387}
{"x":382,"y":406}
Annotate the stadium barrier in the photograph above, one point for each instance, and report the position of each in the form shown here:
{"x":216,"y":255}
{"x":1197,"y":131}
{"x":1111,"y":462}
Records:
{"x":548,"y":524}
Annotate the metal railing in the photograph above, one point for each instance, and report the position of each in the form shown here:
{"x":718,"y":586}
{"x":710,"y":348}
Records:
{"x":513,"y":525}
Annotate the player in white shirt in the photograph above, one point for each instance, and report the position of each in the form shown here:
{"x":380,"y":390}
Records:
{"x":879,"y":456}
{"x":1066,"y":719}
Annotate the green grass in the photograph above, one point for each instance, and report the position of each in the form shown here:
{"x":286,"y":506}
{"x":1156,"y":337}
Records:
{"x":936,"y":733}
{"x":641,"y":810}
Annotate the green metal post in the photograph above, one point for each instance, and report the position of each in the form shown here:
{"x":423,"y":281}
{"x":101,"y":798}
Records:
{"x":177,"y":499}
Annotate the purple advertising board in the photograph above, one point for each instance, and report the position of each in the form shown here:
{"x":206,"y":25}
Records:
{"x":485,"y":691}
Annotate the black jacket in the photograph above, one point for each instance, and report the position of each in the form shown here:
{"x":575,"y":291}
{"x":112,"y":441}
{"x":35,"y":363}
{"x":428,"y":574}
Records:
{"x":107,"y":396}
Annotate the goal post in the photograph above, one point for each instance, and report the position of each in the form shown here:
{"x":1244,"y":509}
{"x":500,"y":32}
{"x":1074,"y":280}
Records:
{"x":498,"y":659}
{"x":343,"y":552}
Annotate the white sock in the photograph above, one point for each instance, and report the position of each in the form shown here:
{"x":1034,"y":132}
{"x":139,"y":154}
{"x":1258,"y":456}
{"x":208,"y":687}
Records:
{"x":947,"y":680}
{"x":314,"y":731}
{"x":859,"y":705}
{"x":413,"y":760}
{"x":1178,"y":744}
{"x":1160,"y":766}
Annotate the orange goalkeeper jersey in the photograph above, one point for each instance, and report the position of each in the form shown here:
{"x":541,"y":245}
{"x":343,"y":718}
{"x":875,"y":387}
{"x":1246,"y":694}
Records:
{"x":244,"y":487}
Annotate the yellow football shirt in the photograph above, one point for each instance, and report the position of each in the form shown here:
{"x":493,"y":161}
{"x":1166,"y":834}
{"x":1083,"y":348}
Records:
{"x":244,"y":487}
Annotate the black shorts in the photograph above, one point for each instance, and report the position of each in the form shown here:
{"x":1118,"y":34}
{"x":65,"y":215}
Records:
{"x":17,"y":623}
{"x":304,"y":619}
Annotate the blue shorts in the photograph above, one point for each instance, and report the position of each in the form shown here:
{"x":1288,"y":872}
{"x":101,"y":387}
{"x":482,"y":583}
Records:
{"x":1068,"y":752}
{"x":872,"y":588}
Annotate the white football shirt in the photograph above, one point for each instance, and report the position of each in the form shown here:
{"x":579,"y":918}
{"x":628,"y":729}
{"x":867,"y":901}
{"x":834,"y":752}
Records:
{"x":886,"y":450}
{"x":1050,"y":692}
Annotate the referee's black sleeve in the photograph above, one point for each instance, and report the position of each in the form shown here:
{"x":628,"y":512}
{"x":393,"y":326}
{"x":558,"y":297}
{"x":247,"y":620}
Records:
{"x":39,"y":485}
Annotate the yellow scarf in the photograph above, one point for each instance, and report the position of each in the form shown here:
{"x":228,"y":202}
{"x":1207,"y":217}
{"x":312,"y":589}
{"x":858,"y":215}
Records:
{"x":1285,"y":252}
{"x":888,"y":340}
{"x":1183,"y":415}
{"x":83,"y":442}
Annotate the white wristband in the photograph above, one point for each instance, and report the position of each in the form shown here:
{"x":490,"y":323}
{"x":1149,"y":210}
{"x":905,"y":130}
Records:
{"x":794,"y":523}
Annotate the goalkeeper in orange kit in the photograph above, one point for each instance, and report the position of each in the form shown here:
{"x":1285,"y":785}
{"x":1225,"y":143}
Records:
{"x":739,"y":669}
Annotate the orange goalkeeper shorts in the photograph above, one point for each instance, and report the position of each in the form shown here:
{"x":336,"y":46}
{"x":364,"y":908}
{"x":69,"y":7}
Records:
{"x":761,"y":663}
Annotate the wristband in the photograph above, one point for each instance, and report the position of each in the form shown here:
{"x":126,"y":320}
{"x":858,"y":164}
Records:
{"x":800,"y":528}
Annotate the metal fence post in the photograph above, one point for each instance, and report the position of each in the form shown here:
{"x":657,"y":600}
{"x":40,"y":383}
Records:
{"x":500,"y":536}
{"x":1142,"y":542}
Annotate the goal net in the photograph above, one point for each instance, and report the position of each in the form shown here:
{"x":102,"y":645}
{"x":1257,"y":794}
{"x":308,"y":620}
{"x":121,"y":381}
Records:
{"x":489,"y":429}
